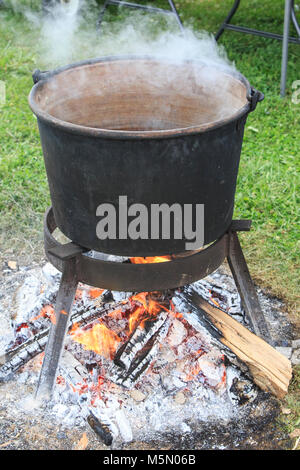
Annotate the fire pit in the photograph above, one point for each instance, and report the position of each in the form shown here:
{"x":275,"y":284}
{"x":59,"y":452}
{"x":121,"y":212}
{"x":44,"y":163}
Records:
{"x":159,"y":376}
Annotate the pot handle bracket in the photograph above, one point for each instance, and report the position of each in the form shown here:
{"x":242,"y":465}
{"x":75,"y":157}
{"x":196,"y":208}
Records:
{"x":39,"y":75}
{"x":254,"y":98}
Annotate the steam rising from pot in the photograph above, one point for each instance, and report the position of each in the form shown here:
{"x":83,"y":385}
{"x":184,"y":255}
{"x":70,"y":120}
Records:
{"x":68,"y":33}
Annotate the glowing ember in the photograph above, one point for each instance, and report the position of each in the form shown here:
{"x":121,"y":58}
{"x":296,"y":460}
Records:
{"x":213,"y":300}
{"x":94,"y":292}
{"x":193,"y":372}
{"x":48,"y":312}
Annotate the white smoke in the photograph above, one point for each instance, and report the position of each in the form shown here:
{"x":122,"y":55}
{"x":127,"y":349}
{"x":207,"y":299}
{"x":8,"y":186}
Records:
{"x":58,"y":31}
{"x":69,"y":33}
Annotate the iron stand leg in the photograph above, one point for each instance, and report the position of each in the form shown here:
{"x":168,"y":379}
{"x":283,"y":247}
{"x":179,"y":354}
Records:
{"x":294,"y":19}
{"x":285,"y":45}
{"x":176,"y":14}
{"x":246,"y":287}
{"x":101,"y":14}
{"x":55,"y":344}
{"x":228,"y":19}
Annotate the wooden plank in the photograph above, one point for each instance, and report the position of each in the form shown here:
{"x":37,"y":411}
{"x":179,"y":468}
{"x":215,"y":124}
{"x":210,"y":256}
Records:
{"x":270,"y":370}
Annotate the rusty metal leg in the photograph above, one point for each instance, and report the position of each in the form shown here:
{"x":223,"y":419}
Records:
{"x":228,"y":19}
{"x":285,"y":45}
{"x":54,"y":348}
{"x":246,"y":288}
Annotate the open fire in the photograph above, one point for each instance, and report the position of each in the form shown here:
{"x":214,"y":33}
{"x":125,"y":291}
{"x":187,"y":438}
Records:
{"x":134,"y":365}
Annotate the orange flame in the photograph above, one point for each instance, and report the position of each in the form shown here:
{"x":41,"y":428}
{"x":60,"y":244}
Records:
{"x":99,"y":339}
{"x":135,"y":317}
{"x":146,"y":310}
{"x":94,"y":293}
{"x":150,"y":259}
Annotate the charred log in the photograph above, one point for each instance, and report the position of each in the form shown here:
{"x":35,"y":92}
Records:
{"x":138,"y":353}
{"x":101,"y":429}
{"x":141,"y":341}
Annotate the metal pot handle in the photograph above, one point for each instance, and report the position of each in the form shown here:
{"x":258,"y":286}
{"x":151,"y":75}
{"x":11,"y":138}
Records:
{"x":254,"y":98}
{"x":39,"y":75}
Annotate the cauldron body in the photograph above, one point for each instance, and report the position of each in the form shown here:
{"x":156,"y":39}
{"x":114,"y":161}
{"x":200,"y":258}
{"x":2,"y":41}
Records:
{"x":155,"y":132}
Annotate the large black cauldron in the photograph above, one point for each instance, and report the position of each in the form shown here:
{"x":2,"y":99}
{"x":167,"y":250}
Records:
{"x":155,"y":131}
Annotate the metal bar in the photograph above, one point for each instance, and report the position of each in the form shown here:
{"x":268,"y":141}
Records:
{"x":139,"y":277}
{"x":285,"y":45}
{"x":228,"y":19}
{"x":67,"y":251}
{"x":149,"y":8}
{"x":55,"y":344}
{"x":256,"y":32}
{"x":101,"y":14}
{"x":294,"y":19}
{"x":246,"y":288}
{"x":174,"y":10}
{"x":243,"y":225}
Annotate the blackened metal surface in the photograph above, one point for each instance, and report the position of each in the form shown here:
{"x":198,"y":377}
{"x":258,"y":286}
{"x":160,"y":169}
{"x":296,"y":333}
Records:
{"x":87,"y":167}
{"x":246,"y":289}
{"x":58,"y":330}
{"x":86,"y":171}
{"x":139,"y":277}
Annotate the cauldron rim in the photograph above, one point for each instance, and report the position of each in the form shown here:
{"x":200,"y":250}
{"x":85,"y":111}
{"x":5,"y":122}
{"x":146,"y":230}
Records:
{"x":77,"y":129}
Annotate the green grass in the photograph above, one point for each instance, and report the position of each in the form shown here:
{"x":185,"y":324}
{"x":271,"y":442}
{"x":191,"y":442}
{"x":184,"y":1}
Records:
{"x":291,"y":421}
{"x":268,"y":182}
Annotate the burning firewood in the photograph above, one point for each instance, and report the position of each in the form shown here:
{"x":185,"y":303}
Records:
{"x":270,"y":370}
{"x":136,"y":355}
{"x":17,"y":357}
{"x":141,"y":336}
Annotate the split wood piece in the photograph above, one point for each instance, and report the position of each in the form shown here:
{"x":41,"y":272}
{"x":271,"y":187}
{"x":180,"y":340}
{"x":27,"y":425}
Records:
{"x":270,"y":370}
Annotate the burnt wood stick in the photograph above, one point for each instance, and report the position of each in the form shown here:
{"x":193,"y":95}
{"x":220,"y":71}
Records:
{"x":142,"y":360}
{"x":269,"y":369}
{"x":139,"y":338}
{"x":101,"y":429}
